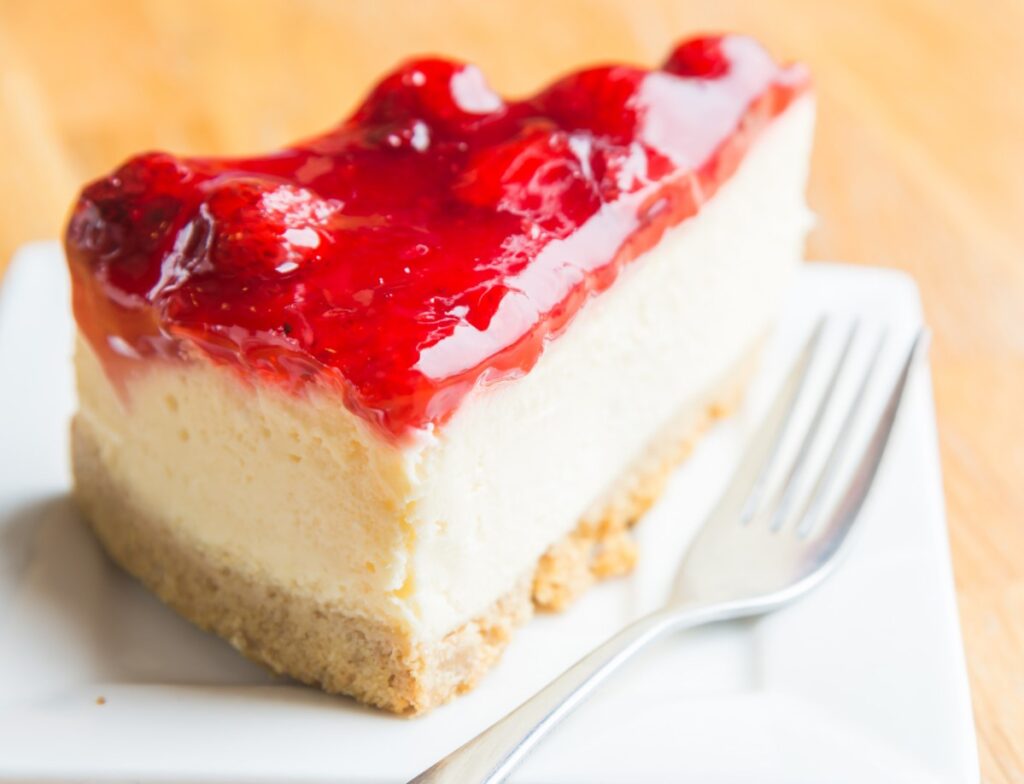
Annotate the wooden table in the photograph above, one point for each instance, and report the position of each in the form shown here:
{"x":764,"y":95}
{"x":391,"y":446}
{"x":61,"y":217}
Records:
{"x":919,"y":165}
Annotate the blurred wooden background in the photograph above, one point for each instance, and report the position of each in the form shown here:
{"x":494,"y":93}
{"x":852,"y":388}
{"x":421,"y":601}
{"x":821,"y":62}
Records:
{"x":919,"y":165}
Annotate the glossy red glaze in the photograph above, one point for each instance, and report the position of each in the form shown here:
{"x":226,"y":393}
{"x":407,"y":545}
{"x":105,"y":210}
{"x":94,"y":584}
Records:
{"x":434,"y":241}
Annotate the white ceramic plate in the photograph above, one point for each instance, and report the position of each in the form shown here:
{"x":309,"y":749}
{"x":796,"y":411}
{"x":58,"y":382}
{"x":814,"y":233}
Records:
{"x":863,"y":681}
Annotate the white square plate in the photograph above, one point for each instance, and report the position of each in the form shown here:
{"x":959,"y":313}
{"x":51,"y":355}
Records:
{"x":863,"y":681}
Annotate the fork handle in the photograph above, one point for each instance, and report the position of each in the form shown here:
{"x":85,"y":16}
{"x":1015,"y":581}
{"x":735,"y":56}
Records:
{"x":492,"y":755}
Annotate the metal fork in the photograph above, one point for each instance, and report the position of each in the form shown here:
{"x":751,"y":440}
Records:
{"x":751,"y":556}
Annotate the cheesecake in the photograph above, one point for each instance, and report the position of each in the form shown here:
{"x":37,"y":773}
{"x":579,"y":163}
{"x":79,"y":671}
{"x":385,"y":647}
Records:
{"x":361,"y":405}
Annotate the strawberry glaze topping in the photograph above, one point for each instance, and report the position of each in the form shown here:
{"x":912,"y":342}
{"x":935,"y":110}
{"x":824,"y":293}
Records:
{"x":434,"y":241}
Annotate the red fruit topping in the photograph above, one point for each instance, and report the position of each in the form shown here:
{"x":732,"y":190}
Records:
{"x":702,"y":58}
{"x":434,"y":241}
{"x":446,"y":95}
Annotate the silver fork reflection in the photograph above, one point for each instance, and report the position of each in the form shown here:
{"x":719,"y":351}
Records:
{"x":751,"y":556}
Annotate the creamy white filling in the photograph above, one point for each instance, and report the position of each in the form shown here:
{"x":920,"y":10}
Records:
{"x":300,"y":492}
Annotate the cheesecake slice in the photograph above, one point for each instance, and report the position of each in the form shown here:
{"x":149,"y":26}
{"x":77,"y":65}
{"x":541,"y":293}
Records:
{"x":359,"y":406}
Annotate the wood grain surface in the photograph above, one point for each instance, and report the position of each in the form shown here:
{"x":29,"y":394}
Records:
{"x":919,"y":165}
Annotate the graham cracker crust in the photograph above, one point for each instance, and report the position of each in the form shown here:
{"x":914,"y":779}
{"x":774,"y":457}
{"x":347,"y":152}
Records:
{"x":310,"y":641}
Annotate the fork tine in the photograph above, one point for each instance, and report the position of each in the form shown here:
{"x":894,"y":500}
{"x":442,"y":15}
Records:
{"x":783,"y":499}
{"x":841,"y":519}
{"x":818,"y":493}
{"x":748,"y":482}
